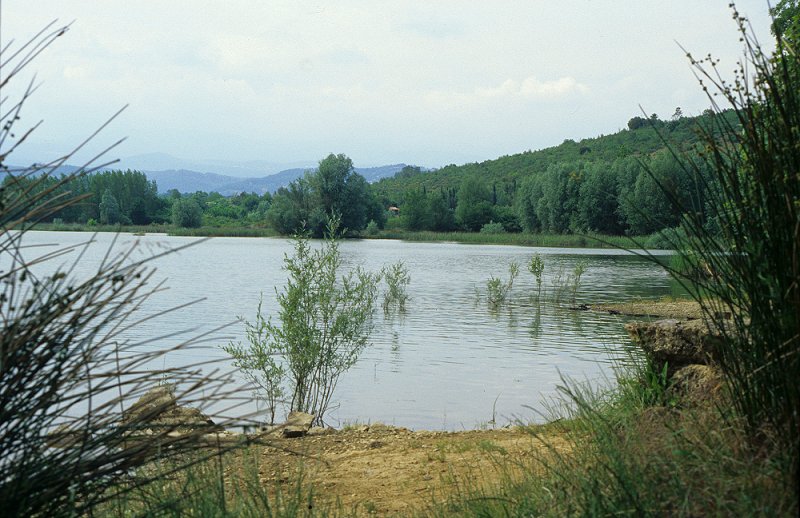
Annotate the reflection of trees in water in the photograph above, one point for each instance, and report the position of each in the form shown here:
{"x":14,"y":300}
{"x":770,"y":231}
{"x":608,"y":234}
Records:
{"x":535,"y":329}
{"x":395,"y":344}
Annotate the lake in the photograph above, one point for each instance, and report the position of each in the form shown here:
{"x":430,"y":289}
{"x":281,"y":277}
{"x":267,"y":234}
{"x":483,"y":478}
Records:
{"x":449,"y":362}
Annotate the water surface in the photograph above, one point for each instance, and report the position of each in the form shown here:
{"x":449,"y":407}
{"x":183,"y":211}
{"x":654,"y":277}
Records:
{"x":448,"y":362}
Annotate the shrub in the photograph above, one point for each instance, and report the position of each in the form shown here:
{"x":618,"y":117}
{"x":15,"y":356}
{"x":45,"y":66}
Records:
{"x":575,"y":279}
{"x":372,"y":228}
{"x":493,"y":228}
{"x":397,"y":281}
{"x":325,"y":322}
{"x":497,"y":291}
{"x":750,"y":289}
{"x":536,"y":267}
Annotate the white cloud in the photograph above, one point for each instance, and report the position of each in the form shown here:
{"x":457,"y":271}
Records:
{"x":533,"y":88}
{"x":529,"y":89}
{"x":76,"y":72}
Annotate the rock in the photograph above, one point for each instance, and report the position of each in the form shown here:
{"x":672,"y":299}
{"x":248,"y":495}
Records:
{"x":158,"y":410}
{"x":297,"y":424}
{"x":675,"y":343}
{"x":153,"y":403}
{"x":187,"y":419}
{"x":695,"y":384}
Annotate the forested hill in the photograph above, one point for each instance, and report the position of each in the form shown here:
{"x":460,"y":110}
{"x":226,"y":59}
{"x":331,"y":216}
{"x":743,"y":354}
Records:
{"x":641,"y":138}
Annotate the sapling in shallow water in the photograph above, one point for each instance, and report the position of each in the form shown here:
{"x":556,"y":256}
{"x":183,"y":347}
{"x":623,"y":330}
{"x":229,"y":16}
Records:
{"x":536,"y":267}
{"x":325,"y":323}
{"x":575,"y":279}
{"x":564,"y":283}
{"x":397,"y":280}
{"x":497,"y":290}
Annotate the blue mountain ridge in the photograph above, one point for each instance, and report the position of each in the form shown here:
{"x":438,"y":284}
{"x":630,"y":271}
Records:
{"x":188,"y":181}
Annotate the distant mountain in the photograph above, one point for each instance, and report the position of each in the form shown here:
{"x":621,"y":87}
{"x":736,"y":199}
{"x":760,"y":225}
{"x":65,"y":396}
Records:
{"x":246,"y":169}
{"x":187,"y":181}
{"x":373,"y":174}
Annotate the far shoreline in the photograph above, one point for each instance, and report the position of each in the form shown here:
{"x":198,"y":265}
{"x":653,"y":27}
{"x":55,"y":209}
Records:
{"x":589,"y":240}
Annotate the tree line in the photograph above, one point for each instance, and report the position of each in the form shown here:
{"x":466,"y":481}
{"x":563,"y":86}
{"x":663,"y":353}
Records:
{"x":129,"y":198}
{"x":616,"y":184}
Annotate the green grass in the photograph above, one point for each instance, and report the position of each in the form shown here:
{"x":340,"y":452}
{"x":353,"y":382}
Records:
{"x":627,"y":453}
{"x":520,"y":239}
{"x":166,"y":229}
{"x":229,"y":486}
{"x":223,"y":232}
{"x":477,"y":238}
{"x":82,"y":227}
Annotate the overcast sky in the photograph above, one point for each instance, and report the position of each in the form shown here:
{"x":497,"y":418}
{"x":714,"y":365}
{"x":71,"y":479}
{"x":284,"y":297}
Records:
{"x":421,"y":82}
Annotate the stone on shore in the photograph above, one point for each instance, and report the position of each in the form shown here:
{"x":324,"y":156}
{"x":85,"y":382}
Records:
{"x":297,"y":424}
{"x":675,"y":343}
{"x":158,"y":411}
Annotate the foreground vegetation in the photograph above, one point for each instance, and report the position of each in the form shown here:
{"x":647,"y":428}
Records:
{"x":617,"y":452}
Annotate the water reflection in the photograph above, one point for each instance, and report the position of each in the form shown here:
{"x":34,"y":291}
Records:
{"x":535,"y":328}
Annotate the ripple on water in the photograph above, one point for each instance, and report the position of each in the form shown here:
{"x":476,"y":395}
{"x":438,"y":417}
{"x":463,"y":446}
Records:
{"x":448,"y":362}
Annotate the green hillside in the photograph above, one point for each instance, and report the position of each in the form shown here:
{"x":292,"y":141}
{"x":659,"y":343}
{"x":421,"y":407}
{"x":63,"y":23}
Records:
{"x":596,"y":184}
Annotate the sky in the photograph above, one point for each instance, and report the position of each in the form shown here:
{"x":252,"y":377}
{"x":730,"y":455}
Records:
{"x":420,"y":82}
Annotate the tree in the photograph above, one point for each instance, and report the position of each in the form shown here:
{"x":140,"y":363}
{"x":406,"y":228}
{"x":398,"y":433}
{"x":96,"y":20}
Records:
{"x":786,"y":23}
{"x":339,"y":192}
{"x":598,"y":203}
{"x":334,"y":190}
{"x":186,"y":213}
{"x":556,"y":209}
{"x":408,"y":172}
{"x":109,"y":209}
{"x":330,"y":182}
{"x":324,"y":327}
{"x":474,"y":207}
{"x":136,"y":197}
{"x":530,"y":192}
{"x":291,"y":207}
{"x":442,"y":218}
{"x":356,"y":203}
{"x":506,"y":215}
{"x":415,"y":211}
{"x":659,"y":188}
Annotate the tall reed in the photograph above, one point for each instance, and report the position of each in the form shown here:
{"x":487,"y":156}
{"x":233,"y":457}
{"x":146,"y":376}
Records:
{"x":68,"y":374}
{"x":744,"y":248}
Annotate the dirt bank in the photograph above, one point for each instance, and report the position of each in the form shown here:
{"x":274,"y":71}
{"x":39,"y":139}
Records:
{"x":678,"y":309}
{"x":385,"y":470}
